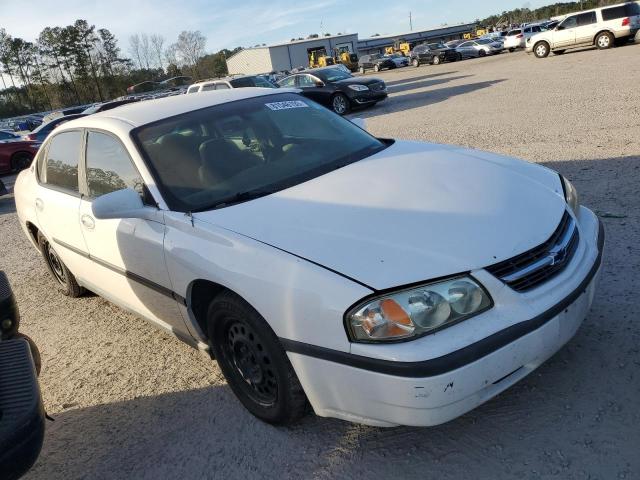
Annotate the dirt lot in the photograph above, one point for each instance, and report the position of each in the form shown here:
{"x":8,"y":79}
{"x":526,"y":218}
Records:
{"x":132,"y":402}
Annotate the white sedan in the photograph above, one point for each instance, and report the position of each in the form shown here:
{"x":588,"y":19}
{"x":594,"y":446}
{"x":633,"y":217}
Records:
{"x":383,"y":282}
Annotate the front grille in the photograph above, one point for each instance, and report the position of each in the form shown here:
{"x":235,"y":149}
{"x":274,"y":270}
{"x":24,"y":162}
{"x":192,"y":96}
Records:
{"x":540,"y":264}
{"x":377,"y":87}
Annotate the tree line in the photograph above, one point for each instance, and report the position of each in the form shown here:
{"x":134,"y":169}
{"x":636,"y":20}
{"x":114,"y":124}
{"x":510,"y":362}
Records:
{"x":523,"y":15}
{"x":79,"y":64}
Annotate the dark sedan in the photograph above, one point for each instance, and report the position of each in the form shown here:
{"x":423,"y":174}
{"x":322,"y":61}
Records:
{"x":336,"y":88}
{"x":448,"y":54}
{"x":375,"y":62}
{"x":40,"y":133}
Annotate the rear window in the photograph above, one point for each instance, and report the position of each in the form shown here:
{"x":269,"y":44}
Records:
{"x":621,"y":11}
{"x":514,"y":32}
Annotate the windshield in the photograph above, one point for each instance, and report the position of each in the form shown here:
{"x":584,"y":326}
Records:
{"x":332,"y":74}
{"x":225,"y":154}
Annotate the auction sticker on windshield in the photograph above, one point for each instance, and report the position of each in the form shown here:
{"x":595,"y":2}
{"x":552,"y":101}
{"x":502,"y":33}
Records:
{"x":286,"y":105}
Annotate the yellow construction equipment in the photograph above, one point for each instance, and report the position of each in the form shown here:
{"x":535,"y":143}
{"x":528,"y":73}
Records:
{"x":318,"y":58}
{"x":399,"y":46}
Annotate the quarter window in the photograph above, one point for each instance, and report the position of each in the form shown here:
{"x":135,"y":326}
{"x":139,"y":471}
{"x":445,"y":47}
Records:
{"x":62,"y":161}
{"x":109,"y":167}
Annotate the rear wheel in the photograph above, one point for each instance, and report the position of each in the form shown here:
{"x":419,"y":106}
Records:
{"x":541,"y":49}
{"x":362,"y":70}
{"x":67,"y":283}
{"x":511,"y":50}
{"x":21,"y":161}
{"x":340,"y":103}
{"x":604,"y":40}
{"x":253,"y":361}
{"x":482,"y":53}
{"x":415,"y":62}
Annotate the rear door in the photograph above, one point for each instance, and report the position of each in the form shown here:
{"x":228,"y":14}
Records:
{"x":587,"y":27}
{"x":57,"y":201}
{"x":127,"y":255}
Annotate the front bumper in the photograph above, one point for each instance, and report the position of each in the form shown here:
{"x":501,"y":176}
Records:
{"x":366,"y":98}
{"x":425,"y":393}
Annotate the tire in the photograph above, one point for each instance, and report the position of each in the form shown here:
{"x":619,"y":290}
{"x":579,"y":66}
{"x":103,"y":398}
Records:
{"x":558,"y":52}
{"x":65,"y":280}
{"x":604,"y":40}
{"x":541,"y":50}
{"x":436,"y":61}
{"x":253,"y":361}
{"x":35,"y":352}
{"x":376,"y":68}
{"x":21,"y":161}
{"x":362,"y":70}
{"x":415,"y":62}
{"x":511,"y":50}
{"x":340,"y":103}
{"x":482,"y":53}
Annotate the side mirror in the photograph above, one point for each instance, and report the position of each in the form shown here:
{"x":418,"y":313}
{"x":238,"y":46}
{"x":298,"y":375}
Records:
{"x":125,"y":203}
{"x":360,"y":122}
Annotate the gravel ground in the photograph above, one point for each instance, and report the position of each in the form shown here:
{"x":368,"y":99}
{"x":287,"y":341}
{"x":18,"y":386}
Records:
{"x":131,"y":402}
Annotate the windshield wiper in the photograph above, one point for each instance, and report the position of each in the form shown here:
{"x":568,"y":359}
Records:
{"x":239,"y":198}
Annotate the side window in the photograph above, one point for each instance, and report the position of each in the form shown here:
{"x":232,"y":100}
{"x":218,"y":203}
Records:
{"x":305,"y":81}
{"x":208,"y":86}
{"x":193,"y":89}
{"x":241,"y":82}
{"x":588,"y":18}
{"x":569,"y":22}
{"x":62,"y":161}
{"x":288,"y":82}
{"x":222,"y":86}
{"x":109,"y":167}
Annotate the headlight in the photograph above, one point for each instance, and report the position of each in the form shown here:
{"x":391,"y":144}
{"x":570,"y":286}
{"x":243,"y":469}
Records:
{"x":570,"y":194}
{"x":359,"y":88}
{"x":417,"y":311}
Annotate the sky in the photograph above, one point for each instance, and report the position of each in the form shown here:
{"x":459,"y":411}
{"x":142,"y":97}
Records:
{"x":232,"y":23}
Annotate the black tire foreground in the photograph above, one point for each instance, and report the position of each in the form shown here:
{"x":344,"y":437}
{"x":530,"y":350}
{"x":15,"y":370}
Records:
{"x":253,"y":362}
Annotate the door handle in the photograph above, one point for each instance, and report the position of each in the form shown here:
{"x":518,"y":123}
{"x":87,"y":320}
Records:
{"x":39,"y":204}
{"x":88,"y":222}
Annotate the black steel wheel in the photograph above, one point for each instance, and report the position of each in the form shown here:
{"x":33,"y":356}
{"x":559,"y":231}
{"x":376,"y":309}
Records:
{"x":253,"y":362}
{"x":64,"y":278}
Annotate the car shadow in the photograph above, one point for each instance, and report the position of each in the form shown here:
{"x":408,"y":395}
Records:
{"x":408,"y":101}
{"x":417,"y":78}
{"x":404,"y":87}
{"x":7,"y":202}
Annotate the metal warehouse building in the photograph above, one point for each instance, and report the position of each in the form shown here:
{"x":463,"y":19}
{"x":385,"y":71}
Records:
{"x":286,"y":56}
{"x":444,"y":34}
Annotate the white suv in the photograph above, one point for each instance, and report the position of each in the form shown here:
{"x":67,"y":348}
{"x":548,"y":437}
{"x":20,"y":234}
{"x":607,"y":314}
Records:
{"x":231,"y":82}
{"x":517,"y":38}
{"x":602,"y":27}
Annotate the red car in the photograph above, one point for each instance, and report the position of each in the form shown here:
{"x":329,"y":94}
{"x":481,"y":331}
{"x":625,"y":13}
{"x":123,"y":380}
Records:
{"x":17,"y":154}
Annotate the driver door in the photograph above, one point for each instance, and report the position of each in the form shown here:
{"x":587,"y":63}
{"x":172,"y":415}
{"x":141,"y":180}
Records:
{"x":311,"y":89}
{"x":128,"y":265}
{"x":565,"y":33}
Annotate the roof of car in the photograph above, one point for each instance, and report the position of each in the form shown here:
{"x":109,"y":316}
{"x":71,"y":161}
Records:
{"x":148,"y":111}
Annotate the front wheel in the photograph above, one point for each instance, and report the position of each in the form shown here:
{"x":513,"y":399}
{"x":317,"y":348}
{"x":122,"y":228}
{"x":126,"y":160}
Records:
{"x":511,"y":50}
{"x":436,"y":61}
{"x":482,"y":53}
{"x":415,"y":62}
{"x":376,"y":68}
{"x":541,"y":50}
{"x":340,"y":103}
{"x":253,"y":361}
{"x":21,"y":161}
{"x":67,"y":283}
{"x":604,"y":40}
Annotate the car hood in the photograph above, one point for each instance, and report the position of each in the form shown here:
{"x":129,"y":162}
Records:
{"x":410,"y":213}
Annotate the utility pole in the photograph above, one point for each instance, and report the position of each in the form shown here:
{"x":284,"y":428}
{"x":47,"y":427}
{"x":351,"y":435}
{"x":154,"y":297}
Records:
{"x":410,"y":23}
